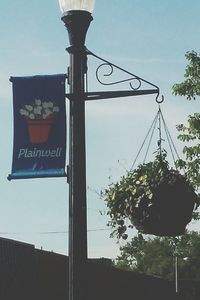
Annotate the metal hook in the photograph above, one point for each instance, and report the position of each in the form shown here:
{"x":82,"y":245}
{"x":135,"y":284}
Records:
{"x":159,"y":101}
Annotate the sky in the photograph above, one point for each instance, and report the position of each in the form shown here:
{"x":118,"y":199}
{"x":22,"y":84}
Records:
{"x":146,"y":37}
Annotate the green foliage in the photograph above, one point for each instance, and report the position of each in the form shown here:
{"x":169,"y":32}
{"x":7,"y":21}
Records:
{"x":141,"y":198}
{"x":157,"y":255}
{"x":190,"y":134}
{"x":190,"y":87}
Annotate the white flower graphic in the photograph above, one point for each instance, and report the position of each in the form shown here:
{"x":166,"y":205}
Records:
{"x":38,"y":102}
{"x":39,"y":110}
{"x":29,"y":107}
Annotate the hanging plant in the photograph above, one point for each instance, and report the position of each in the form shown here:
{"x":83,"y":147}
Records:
{"x":154,"y":198}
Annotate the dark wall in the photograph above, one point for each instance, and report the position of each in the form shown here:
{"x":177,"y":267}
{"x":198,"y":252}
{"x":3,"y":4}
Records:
{"x":104,"y":282}
{"x":189,"y":289}
{"x":27,"y":273}
{"x":110,"y":283}
{"x":51,"y":275}
{"x":16,"y":270}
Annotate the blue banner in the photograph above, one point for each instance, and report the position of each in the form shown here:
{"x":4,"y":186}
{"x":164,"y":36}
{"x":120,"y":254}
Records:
{"x":39,"y":146}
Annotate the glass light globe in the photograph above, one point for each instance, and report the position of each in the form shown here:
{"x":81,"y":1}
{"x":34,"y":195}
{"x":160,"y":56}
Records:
{"x":67,"y":5}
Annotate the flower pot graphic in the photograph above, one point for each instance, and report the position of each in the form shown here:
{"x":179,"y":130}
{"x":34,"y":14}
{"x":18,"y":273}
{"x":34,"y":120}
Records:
{"x":40,"y":117}
{"x":39,"y":129}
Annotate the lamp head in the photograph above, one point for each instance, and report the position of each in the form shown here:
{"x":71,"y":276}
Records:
{"x":77,"y":17}
{"x":85,"y":5}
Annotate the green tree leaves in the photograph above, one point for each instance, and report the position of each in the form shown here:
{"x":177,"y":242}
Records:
{"x":190,"y":87}
{"x":190,"y":133}
{"x":157,"y":255}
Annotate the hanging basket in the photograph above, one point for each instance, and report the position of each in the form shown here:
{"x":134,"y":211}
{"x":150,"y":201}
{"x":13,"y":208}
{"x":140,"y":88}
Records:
{"x":155,"y":199}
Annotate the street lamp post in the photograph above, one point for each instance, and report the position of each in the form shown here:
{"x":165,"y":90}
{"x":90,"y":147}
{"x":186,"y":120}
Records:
{"x":176,"y":273}
{"x":177,"y":270}
{"x":77,"y":18}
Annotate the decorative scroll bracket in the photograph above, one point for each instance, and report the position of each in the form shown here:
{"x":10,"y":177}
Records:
{"x":133,"y":91}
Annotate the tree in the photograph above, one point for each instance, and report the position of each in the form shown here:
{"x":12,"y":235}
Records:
{"x":190,"y":134}
{"x":190,"y":87}
{"x":157,"y":255}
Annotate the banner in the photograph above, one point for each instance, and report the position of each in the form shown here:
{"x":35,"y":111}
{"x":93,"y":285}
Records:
{"x":39,"y":146}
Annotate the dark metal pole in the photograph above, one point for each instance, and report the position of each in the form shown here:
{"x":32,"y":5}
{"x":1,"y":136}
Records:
{"x":77,"y":23}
